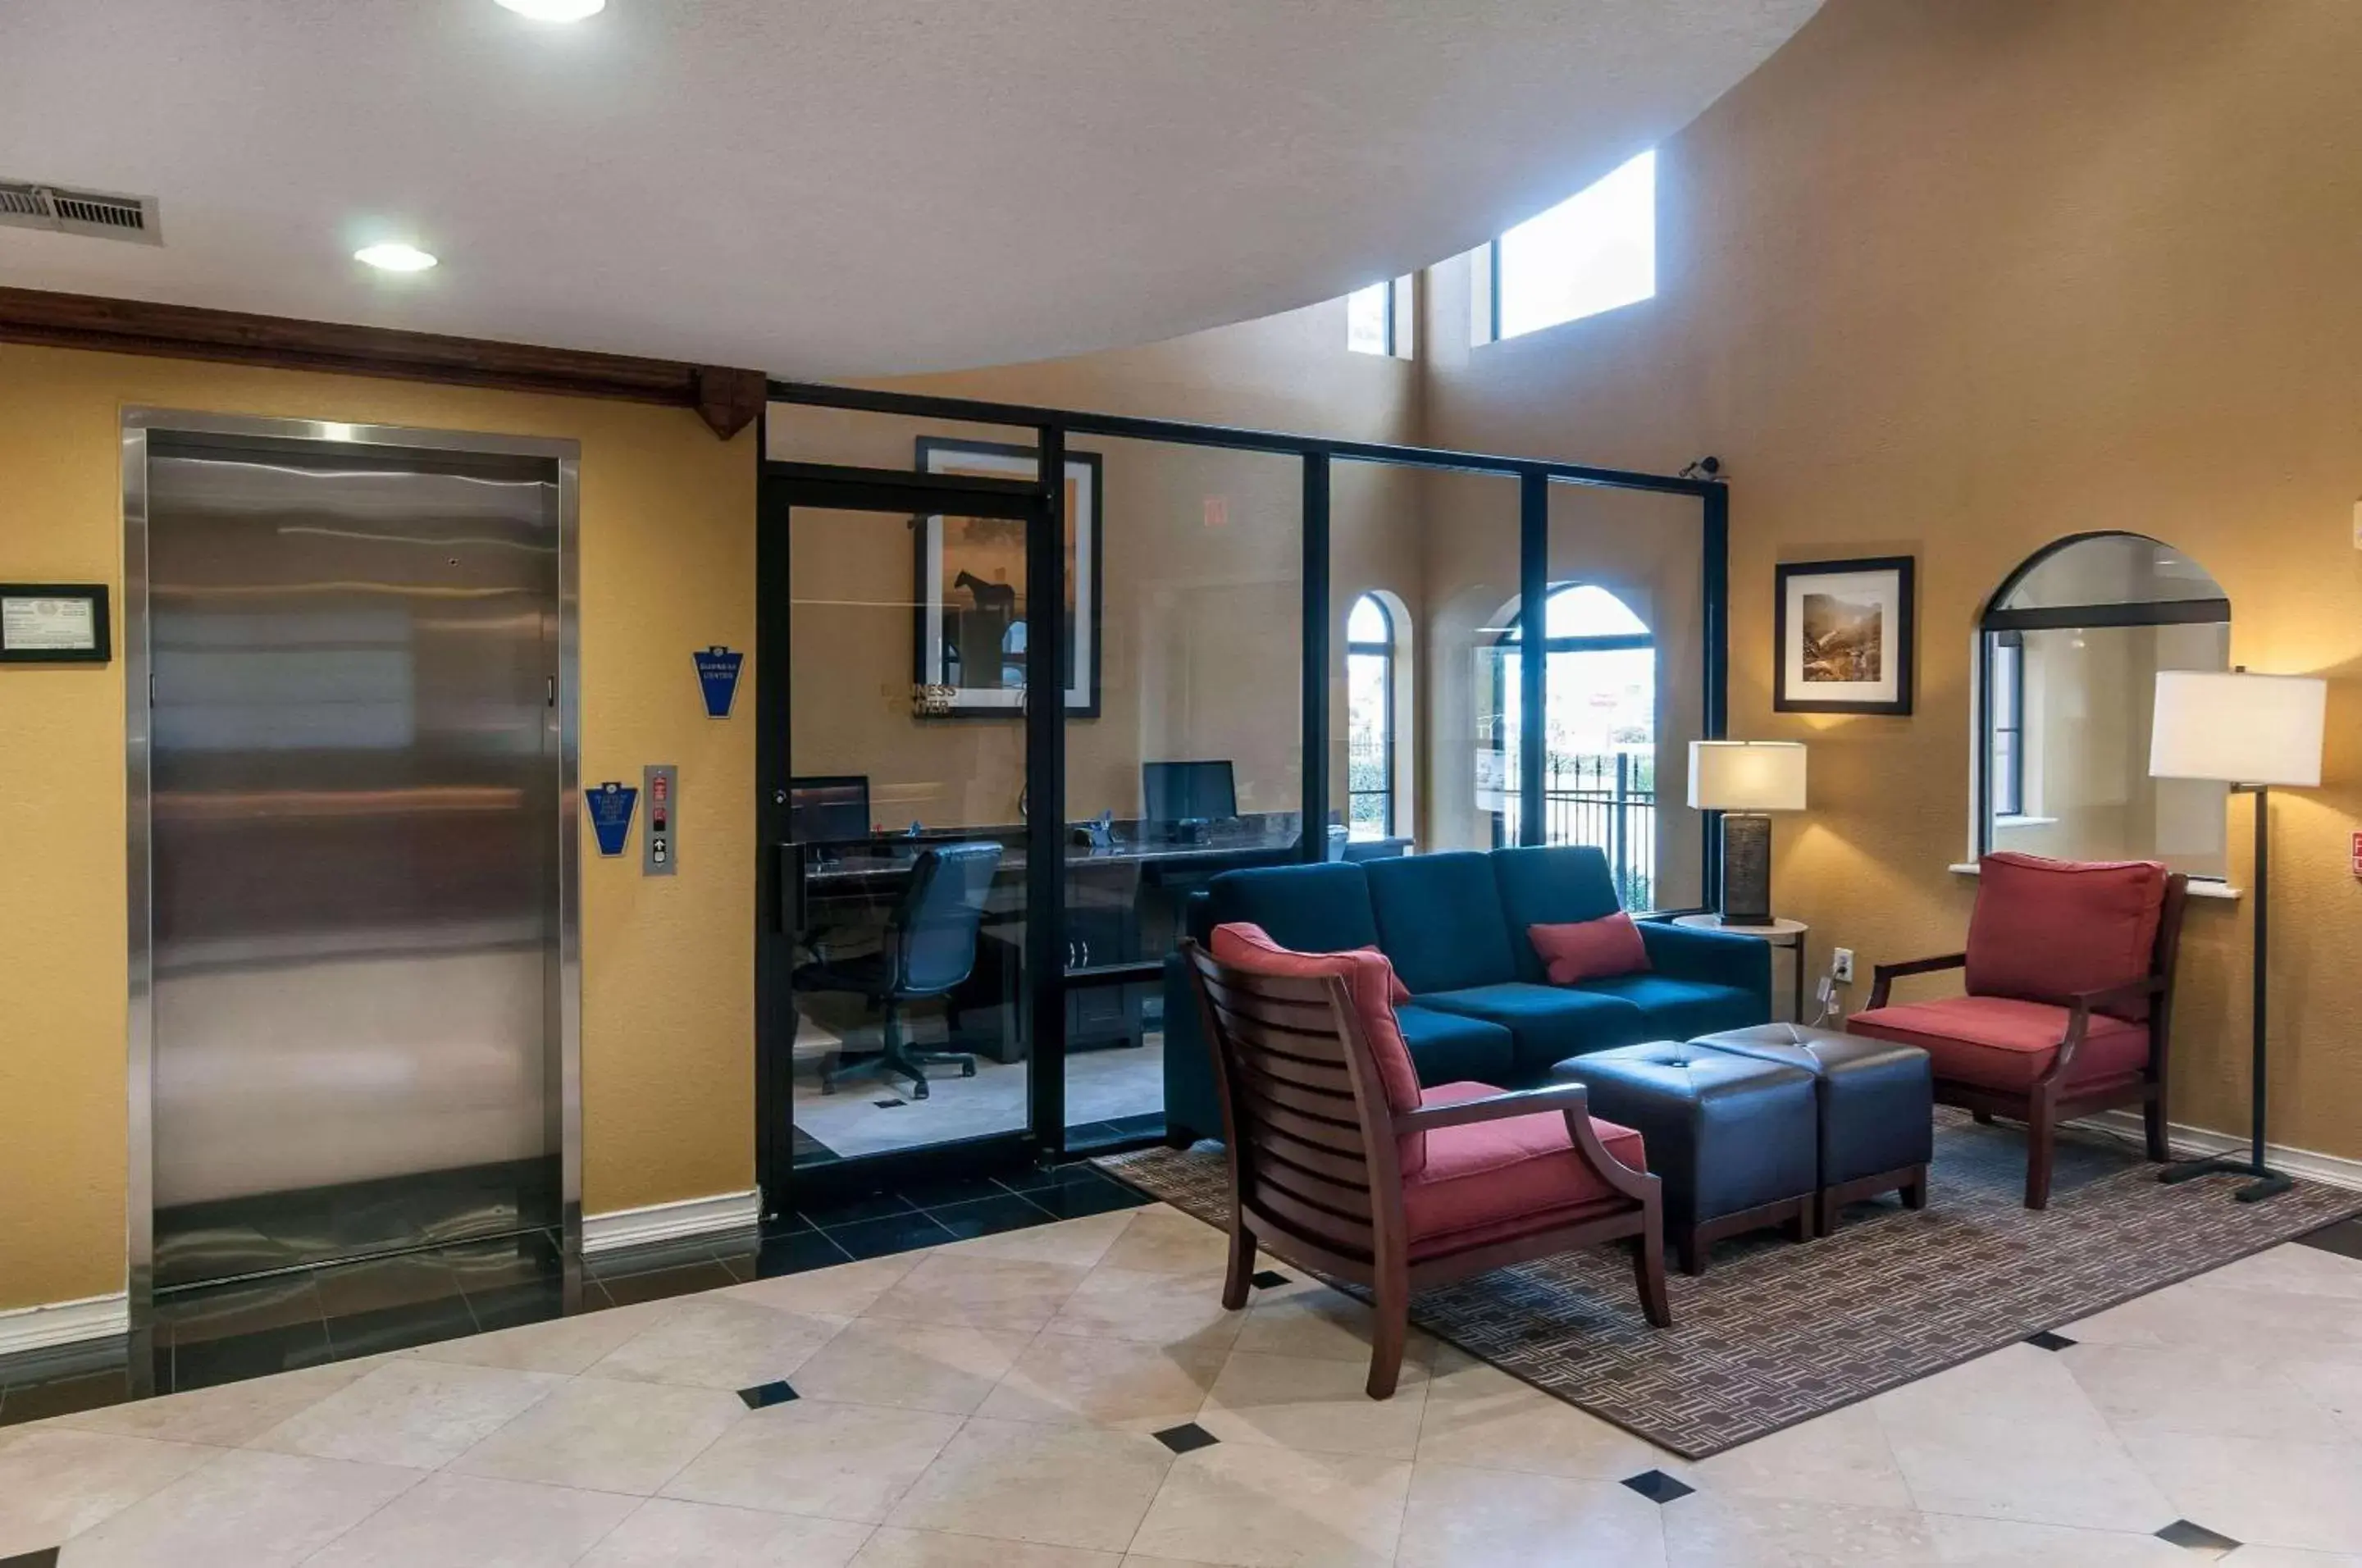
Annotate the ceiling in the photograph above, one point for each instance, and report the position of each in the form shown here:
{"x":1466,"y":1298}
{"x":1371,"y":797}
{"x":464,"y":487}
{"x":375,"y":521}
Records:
{"x":830,"y":187}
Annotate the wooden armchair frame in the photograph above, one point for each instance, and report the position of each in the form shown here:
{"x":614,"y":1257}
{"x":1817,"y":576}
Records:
{"x":2050,"y":1099}
{"x":1315,"y":1169}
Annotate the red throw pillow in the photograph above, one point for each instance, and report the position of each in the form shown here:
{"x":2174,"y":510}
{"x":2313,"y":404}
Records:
{"x":2045,"y":929}
{"x":1590,"y":949}
{"x":1368,"y":975}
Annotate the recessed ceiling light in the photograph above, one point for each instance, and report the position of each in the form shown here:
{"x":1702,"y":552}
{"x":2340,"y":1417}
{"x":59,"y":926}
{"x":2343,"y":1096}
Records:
{"x":555,"y":10}
{"x":395,"y":257}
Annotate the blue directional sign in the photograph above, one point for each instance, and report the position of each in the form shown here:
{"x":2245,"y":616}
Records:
{"x":611,"y":814}
{"x":717,"y":672}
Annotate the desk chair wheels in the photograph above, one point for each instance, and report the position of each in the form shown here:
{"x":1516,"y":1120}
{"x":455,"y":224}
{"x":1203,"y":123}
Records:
{"x":896,"y":1060}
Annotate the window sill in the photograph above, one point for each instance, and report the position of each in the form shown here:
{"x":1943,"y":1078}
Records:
{"x":2025,"y":822}
{"x":2200,"y":887}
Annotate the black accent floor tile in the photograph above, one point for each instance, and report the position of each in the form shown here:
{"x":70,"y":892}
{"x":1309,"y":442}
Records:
{"x":233,"y":1358}
{"x":765,"y":1395}
{"x":2196,"y":1537}
{"x":1073,"y":1173}
{"x":890,"y":1104}
{"x":660,"y":1283}
{"x":2049,"y":1340}
{"x":1073,"y":1199}
{"x":847,"y":1211}
{"x":796,"y":1253}
{"x":514,"y":1306}
{"x":1188,"y":1438}
{"x":990,"y":1216}
{"x":882,"y":1238}
{"x":385,"y":1328}
{"x":413,"y":1280}
{"x":1658,"y":1486}
{"x":785,"y":1224}
{"x":65,"y":1396}
{"x":47,"y":1557}
{"x":949,"y":1190}
{"x":2345,"y":1238}
{"x":1268,"y":1279}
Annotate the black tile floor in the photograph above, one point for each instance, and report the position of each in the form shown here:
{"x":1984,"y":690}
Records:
{"x":222,"y":1333}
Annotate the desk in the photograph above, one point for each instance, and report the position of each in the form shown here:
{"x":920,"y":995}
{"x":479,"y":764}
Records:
{"x":1123,"y":907}
{"x":1790,"y":933}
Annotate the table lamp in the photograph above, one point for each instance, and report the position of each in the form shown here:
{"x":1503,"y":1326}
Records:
{"x":1744,"y":780}
{"x":2250,"y":732}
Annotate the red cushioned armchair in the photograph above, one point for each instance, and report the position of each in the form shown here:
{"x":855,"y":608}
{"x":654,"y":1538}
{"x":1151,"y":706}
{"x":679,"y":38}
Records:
{"x":2070,"y":980}
{"x":1341,"y":1164}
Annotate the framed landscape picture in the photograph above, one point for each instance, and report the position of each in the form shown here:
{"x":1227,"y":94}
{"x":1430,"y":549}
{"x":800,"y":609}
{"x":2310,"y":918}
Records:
{"x":1842,"y":637}
{"x":973,"y":655}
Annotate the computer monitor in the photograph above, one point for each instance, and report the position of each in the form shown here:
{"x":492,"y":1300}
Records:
{"x":1189,"y":792}
{"x":834,"y":810}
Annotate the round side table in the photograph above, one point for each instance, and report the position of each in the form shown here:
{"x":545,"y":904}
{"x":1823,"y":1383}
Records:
{"x":1788,"y":934}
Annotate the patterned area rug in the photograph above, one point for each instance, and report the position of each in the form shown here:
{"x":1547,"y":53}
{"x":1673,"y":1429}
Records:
{"x":1776,"y":1334}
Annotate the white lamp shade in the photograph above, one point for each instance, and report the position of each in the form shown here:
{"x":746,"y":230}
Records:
{"x":2238,"y":728}
{"x":1747,"y":776}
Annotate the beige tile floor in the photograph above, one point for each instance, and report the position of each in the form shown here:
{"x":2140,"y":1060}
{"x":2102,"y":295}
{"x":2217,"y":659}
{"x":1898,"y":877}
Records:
{"x":992,"y":1404}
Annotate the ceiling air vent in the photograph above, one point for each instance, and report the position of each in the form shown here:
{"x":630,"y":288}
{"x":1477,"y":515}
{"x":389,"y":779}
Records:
{"x":103,"y":215}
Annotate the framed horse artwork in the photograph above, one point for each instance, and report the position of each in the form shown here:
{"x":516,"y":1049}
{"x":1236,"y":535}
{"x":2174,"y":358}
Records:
{"x":971,"y":651}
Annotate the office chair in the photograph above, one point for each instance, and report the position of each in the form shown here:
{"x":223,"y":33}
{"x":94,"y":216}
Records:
{"x":929,"y":949}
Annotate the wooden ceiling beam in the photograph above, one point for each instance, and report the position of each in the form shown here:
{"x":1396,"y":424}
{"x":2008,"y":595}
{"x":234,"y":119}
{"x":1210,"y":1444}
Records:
{"x":726,"y":399}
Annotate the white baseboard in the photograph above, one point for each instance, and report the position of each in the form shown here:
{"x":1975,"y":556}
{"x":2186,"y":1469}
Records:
{"x":671,"y":1221}
{"x":64,"y":1322}
{"x":2194,"y":1142}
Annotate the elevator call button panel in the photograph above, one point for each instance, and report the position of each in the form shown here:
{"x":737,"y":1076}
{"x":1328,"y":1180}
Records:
{"x":660,"y":783}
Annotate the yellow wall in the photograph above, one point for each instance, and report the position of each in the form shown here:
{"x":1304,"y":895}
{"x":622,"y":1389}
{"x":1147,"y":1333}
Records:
{"x":1954,"y":280}
{"x":667,"y":568}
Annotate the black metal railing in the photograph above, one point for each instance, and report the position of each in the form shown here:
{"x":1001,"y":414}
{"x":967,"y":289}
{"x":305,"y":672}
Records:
{"x":1607,"y":800}
{"x":1369,"y":797}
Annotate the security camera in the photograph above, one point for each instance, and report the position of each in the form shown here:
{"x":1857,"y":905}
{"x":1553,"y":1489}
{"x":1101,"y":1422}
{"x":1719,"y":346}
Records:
{"x":1705,"y":468}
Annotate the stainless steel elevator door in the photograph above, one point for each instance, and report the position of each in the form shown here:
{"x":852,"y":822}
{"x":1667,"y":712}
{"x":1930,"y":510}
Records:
{"x":354,"y":839}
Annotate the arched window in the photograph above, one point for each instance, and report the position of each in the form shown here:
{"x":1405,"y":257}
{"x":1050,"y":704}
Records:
{"x":2070,"y":647}
{"x":1369,"y":719}
{"x":1599,"y":725}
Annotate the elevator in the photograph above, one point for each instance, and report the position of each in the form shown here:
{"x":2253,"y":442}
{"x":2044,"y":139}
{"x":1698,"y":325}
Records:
{"x":351,"y":763}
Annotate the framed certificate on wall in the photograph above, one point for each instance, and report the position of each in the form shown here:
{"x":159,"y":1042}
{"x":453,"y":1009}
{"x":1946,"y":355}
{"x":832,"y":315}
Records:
{"x":53,"y":623}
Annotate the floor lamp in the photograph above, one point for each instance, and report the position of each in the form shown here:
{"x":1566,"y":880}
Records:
{"x":2251,"y":732}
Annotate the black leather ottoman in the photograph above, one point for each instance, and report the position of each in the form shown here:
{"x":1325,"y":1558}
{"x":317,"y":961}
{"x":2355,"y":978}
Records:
{"x":1877,"y":1102}
{"x":1732,"y":1137}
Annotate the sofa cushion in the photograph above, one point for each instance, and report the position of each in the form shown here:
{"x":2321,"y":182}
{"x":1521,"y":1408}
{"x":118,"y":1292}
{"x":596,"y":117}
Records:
{"x":2001,"y":1043}
{"x":2045,"y":929}
{"x":1448,"y":1046}
{"x":1548,"y":1023}
{"x":1491,"y":1179}
{"x":1550,"y":885}
{"x":1589,"y":949}
{"x":1681,"y":1010}
{"x":1440,"y":920}
{"x":1312,"y":909}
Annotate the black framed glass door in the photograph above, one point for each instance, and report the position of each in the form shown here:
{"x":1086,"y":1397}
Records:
{"x":898,"y":991}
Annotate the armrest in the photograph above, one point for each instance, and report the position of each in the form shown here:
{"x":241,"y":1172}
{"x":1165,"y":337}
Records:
{"x":1572,"y":1100}
{"x":1886,"y":975}
{"x":1715,"y":957}
{"x":2081,"y":1005}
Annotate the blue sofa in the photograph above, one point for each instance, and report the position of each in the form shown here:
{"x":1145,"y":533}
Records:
{"x":1480,"y":1006}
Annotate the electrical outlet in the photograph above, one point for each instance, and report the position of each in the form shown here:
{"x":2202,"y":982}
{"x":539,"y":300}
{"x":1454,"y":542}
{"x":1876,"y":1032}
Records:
{"x":1841,"y":965}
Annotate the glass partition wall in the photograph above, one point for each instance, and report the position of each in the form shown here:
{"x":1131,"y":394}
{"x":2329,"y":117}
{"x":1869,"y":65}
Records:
{"x":1189,"y":763}
{"x":986,"y":806}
